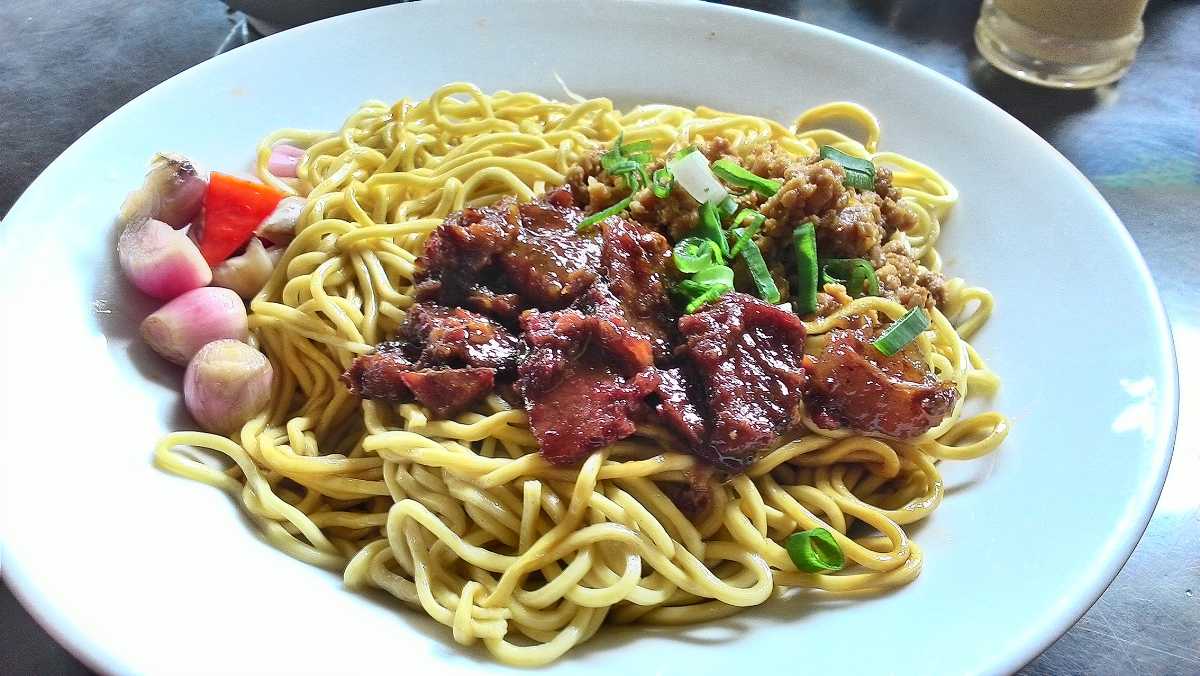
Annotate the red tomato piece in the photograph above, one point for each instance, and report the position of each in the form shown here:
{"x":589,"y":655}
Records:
{"x":233,"y":208}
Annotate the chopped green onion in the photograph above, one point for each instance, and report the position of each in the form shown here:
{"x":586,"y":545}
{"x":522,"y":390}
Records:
{"x":855,"y":179}
{"x":815,"y":551}
{"x":613,"y":155}
{"x":661,"y":182}
{"x":715,"y":275}
{"x":587,"y":223}
{"x":616,"y":165}
{"x":860,"y":173}
{"x":758,"y":269}
{"x":628,"y":162}
{"x":642,"y":157}
{"x":693,"y":254}
{"x":644,"y":177}
{"x":852,"y":273}
{"x":634,"y":174}
{"x":733,"y":174}
{"x":756,"y":220}
{"x":689,"y":289}
{"x":727,"y":206}
{"x":849,"y":162}
{"x":864,"y":273}
{"x":685,"y":152}
{"x":902,"y":332}
{"x":713,"y":293}
{"x":642,"y":146}
{"x":710,"y":227}
{"x":804,"y":296}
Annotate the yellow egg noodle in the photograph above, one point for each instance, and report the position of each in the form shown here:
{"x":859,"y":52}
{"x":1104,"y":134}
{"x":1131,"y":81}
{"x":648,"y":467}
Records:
{"x":463,"y":517}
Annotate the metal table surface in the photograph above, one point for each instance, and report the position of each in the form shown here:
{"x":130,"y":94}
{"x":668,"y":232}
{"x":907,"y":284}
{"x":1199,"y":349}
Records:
{"x":69,"y":63}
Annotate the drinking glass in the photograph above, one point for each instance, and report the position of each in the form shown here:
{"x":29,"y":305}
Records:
{"x":1069,"y":44}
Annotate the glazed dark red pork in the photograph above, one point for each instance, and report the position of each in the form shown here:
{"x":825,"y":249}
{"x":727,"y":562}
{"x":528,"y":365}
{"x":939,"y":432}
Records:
{"x":506,"y":257}
{"x":463,"y":250}
{"x":585,"y":381}
{"x":678,"y":399}
{"x":379,"y":375}
{"x":549,"y":264}
{"x":854,"y":385}
{"x":637,"y":269}
{"x":504,"y":306}
{"x":442,"y":336}
{"x":747,"y":355}
{"x":387,"y":375}
{"x":448,"y":392}
{"x":447,"y":359}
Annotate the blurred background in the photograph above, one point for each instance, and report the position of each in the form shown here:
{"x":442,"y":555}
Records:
{"x":66,"y":64}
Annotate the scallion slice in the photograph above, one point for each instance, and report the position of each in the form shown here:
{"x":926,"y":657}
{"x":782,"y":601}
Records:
{"x":661,"y":182}
{"x":616,"y":165}
{"x":642,"y":158}
{"x":852,"y":273}
{"x":685,"y":152}
{"x":710,"y":227}
{"x":644,"y":177}
{"x":628,"y":161}
{"x":715,"y":275}
{"x":804,"y":241}
{"x":859,"y":180}
{"x":690,"y":290}
{"x":613,"y":156}
{"x":815,"y":551}
{"x":756,"y":221}
{"x":860,"y":173}
{"x":693,"y":254}
{"x":642,"y":146}
{"x":731,"y":173}
{"x":755,"y":218}
{"x":586,"y":224}
{"x":902,"y":332}
{"x":862,"y":273}
{"x":767,"y":290}
{"x":849,"y":162}
{"x":713,"y":293}
{"x":727,"y":206}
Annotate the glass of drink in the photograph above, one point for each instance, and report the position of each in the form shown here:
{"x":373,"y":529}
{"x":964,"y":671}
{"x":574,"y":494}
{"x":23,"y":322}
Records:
{"x":1069,"y":44}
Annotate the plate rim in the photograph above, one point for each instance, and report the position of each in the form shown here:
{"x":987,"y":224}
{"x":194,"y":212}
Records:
{"x":1053,"y":623}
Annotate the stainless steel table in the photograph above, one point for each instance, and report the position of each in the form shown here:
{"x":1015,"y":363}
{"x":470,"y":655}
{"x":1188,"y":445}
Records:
{"x":66,"y":64}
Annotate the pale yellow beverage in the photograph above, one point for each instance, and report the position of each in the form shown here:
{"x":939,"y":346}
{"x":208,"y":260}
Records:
{"x":1061,"y":43}
{"x":1088,"y":19}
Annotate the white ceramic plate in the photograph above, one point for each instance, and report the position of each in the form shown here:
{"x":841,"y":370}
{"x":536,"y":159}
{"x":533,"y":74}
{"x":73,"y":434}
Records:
{"x":138,"y":571}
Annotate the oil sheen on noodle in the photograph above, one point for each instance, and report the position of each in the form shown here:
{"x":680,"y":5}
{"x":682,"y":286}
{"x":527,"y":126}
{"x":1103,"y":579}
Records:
{"x":463,"y":518}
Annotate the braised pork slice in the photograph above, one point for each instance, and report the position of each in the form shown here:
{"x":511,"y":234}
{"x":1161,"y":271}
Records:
{"x":678,"y":398}
{"x":637,"y":269}
{"x":585,"y":381}
{"x":387,"y":375}
{"x":443,"y":336}
{"x":447,"y":392}
{"x":463,"y":249}
{"x":378,"y":375}
{"x":854,"y":385}
{"x":747,"y":354}
{"x":446,"y":358}
{"x":549,"y":264}
{"x":504,"y":306}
